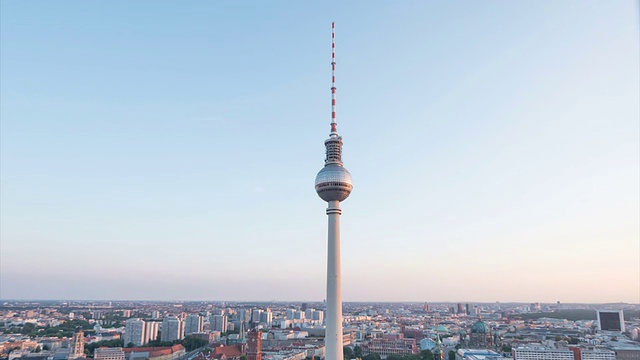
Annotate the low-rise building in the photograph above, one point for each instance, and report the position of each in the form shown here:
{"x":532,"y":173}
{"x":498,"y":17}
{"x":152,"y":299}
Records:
{"x":105,"y":353}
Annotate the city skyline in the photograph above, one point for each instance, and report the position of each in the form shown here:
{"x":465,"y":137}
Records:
{"x":495,"y":146}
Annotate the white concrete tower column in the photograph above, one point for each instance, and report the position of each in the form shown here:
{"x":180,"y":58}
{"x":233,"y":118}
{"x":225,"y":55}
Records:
{"x":333,"y":335}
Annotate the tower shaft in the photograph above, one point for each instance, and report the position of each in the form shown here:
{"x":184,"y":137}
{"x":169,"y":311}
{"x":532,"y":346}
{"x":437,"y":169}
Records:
{"x":333,"y":333}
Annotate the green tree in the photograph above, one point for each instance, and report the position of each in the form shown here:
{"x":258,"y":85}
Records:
{"x":452,"y":355}
{"x":574,"y":341}
{"x":395,"y":357}
{"x":426,"y":355}
{"x":506,"y":348}
{"x":372,"y":356}
{"x":357,"y":351}
{"x":45,"y":347}
{"x":191,"y":343}
{"x":348,"y":353}
{"x":130,"y":345}
{"x":38,"y":349}
{"x":411,"y":357}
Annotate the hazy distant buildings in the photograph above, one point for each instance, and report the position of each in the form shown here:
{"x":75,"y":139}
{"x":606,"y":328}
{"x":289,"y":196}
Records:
{"x":134,"y":331}
{"x":172,"y":329}
{"x":104,"y":353}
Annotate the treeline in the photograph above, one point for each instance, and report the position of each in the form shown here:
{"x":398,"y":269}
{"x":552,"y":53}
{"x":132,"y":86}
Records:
{"x":65,"y":329}
{"x":90,"y":347}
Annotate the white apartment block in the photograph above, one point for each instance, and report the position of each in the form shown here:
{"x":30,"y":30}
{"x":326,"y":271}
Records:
{"x":134,"y":332}
{"x":541,"y":353}
{"x":104,"y":353}
{"x":193,"y":324}
{"x":219,"y":323}
{"x":150,"y":331}
{"x":172,"y":329}
{"x":597,"y":354}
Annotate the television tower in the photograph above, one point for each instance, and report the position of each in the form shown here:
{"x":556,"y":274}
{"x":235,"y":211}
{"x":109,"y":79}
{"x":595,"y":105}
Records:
{"x":333,"y":185}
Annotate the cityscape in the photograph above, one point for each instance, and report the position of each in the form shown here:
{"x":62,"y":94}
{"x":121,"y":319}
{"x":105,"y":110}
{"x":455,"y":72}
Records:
{"x":156,"y":181}
{"x":112,"y":330}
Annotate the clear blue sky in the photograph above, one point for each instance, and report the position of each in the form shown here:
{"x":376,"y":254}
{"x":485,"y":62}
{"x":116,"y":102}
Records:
{"x":167,"y":150}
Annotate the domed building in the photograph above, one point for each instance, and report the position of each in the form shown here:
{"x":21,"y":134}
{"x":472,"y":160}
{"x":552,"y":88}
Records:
{"x":480,"y":335}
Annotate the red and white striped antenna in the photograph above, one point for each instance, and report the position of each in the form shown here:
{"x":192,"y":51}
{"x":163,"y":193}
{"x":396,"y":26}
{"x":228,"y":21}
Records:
{"x":334,"y":124}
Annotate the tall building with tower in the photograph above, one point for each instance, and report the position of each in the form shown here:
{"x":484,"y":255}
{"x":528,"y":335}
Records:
{"x":333,"y":184}
{"x":76,"y":346}
{"x":254,"y":350}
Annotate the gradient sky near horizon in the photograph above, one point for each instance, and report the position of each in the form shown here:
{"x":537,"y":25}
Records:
{"x":167,"y":150}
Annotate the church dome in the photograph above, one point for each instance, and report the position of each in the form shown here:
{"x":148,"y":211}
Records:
{"x":441,"y":328}
{"x":480,"y":327}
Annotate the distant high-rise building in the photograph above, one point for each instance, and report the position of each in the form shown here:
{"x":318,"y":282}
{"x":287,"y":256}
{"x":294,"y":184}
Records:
{"x":290,"y":314}
{"x":150,"y":331}
{"x":255,"y":315}
{"x":105,"y":353}
{"x":172,"y":329}
{"x":304,"y":306}
{"x":426,"y":307}
{"x":126,"y":313}
{"x":308,"y":313}
{"x":76,"y":347}
{"x":459,"y":308}
{"x":610,"y":320}
{"x":468,"y":308}
{"x":244,"y":315}
{"x":134,"y":332}
{"x":298,"y":315}
{"x":266,"y":317}
{"x":193,"y":324}
{"x":318,"y":315}
{"x":155,"y":314}
{"x":219,"y":323}
{"x":254,"y":351}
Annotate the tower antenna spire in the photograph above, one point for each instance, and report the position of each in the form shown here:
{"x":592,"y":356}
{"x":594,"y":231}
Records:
{"x":334,"y":124}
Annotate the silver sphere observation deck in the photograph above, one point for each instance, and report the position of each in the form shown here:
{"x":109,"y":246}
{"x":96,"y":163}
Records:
{"x":333,"y":182}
